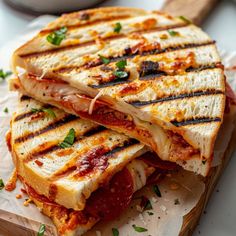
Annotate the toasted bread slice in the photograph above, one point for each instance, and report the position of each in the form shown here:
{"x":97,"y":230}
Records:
{"x":67,"y":176}
{"x":75,"y":223}
{"x":163,"y":73}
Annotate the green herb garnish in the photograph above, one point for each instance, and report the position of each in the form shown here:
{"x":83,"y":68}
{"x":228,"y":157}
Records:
{"x":6,"y":110}
{"x":69,"y":139}
{"x":115,"y":232}
{"x":42,"y":229}
{"x":120,"y":74}
{"x":2,"y":185}
{"x":4,"y":75}
{"x":104,"y":59}
{"x":156,"y":190}
{"x":57,"y":36}
{"x":121,"y":64}
{"x":117,"y":27}
{"x":173,"y":33}
{"x":185,"y":19}
{"x":139,"y":229}
{"x":49,"y":111}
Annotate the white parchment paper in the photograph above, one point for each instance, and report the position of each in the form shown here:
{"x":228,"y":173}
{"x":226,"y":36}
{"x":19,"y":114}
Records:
{"x":168,"y":216}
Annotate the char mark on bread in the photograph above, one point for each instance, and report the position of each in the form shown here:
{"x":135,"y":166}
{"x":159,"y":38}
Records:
{"x":194,"y":121}
{"x":50,"y":127}
{"x":174,"y":97}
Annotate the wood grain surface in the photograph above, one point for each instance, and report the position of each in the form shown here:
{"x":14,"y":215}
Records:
{"x":195,"y":10}
{"x":192,"y":218}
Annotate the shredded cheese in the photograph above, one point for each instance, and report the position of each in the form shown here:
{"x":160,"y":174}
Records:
{"x":92,"y":103}
{"x":42,"y":75}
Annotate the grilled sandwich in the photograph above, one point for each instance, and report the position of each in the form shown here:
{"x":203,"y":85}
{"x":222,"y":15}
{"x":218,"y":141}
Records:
{"x":76,"y":184}
{"x":153,"y":77}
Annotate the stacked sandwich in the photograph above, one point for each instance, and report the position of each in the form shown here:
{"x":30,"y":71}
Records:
{"x":111,"y":99}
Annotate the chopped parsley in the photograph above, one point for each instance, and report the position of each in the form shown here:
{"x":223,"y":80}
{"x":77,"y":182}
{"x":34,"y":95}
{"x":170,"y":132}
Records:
{"x":42,"y":229}
{"x":121,"y":64}
{"x":69,"y":139}
{"x":120,"y":74}
{"x":6,"y":110}
{"x":4,"y":75}
{"x":156,"y":190}
{"x":57,"y":36}
{"x":104,"y":59}
{"x":176,"y":202}
{"x":117,"y":27}
{"x":173,"y":33}
{"x":48,"y":111}
{"x":115,"y":232}
{"x":139,"y":229}
{"x":2,"y":185}
{"x":185,"y":19}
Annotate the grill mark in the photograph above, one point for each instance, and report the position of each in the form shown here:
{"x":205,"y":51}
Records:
{"x":87,"y":23}
{"x":109,"y":153}
{"x":194,"y":121}
{"x":56,"y":147}
{"x":127,"y":144}
{"x":109,"y":38}
{"x":22,"y":116}
{"x":110,"y":84}
{"x":175,"y":97}
{"x":94,"y":131}
{"x":29,"y":113}
{"x":190,"y":69}
{"x":49,"y":127}
{"x":154,"y":76}
{"x":44,"y":152}
{"x":24,"y":98}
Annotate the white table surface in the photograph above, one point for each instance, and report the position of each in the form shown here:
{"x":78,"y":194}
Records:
{"x":220,"y":216}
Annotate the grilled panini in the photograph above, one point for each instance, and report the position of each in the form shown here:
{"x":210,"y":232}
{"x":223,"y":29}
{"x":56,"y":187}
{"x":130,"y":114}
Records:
{"x":76,"y":185}
{"x":159,"y":79}
{"x":66,"y":175}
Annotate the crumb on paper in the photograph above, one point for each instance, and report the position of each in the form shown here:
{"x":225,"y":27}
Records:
{"x":174,"y":186}
{"x":27,"y":202}
{"x":18,"y":196}
{"x":163,"y":208}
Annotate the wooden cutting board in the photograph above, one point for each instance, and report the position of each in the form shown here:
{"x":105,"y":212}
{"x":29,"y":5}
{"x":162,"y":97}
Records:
{"x":195,"y":10}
